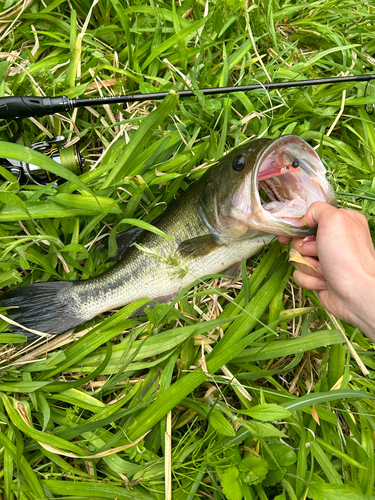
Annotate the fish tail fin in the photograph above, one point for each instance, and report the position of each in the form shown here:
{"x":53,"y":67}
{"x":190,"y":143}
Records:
{"x":46,"y":307}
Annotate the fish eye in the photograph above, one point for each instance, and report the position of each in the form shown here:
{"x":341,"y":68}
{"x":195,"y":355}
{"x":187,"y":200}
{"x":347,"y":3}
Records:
{"x":238,"y":163}
{"x":295,"y":164}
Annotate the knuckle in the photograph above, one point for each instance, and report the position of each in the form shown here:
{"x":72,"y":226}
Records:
{"x":342,"y":214}
{"x":339,"y":216}
{"x":358,"y":217}
{"x":362,"y":218}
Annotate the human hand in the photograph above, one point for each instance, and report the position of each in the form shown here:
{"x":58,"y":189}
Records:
{"x":343,"y":260}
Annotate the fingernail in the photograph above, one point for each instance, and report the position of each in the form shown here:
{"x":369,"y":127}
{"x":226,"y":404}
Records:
{"x":307,"y":239}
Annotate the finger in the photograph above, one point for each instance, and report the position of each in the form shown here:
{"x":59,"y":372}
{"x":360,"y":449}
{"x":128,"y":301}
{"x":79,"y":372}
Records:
{"x":312,"y":267}
{"x":305,"y":247}
{"x":316,"y":210}
{"x":309,"y":282}
{"x":283,"y":239}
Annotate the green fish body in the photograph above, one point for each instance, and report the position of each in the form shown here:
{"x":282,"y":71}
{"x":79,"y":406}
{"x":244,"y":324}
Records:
{"x":218,"y":221}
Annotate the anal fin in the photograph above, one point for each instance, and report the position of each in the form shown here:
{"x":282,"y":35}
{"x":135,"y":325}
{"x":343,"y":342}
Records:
{"x":235,"y":271}
{"x":163,"y":299}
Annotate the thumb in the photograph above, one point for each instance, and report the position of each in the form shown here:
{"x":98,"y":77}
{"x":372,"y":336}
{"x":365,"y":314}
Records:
{"x":315,"y":212}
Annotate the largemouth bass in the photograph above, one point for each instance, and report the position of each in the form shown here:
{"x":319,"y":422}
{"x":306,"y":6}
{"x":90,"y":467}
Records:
{"x":218,"y":221}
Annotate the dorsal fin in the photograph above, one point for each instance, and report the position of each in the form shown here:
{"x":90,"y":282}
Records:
{"x":124,"y":240}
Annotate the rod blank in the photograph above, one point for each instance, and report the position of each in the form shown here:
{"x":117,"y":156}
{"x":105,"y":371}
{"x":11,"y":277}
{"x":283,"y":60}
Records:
{"x":25,"y":107}
{"x":96,"y":101}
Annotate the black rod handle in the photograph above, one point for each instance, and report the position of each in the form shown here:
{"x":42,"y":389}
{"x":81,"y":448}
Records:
{"x":25,"y":106}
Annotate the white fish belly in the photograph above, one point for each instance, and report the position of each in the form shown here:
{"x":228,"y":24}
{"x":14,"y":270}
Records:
{"x":173,"y":279}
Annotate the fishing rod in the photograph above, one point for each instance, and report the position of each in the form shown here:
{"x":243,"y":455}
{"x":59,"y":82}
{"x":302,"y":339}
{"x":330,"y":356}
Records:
{"x":21,"y":107}
{"x":25,"y":107}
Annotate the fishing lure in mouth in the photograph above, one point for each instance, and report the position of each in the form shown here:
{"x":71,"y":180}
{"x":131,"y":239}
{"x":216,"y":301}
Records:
{"x":280,"y":170}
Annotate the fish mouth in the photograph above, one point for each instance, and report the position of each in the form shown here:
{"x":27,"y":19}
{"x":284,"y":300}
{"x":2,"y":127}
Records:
{"x":288,"y":177}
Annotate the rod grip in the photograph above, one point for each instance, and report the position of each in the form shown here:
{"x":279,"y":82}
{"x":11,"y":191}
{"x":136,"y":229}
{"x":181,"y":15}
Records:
{"x":26,"y":106}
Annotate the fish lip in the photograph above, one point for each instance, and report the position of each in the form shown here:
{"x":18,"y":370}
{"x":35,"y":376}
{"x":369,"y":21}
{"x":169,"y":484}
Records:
{"x":283,"y":228}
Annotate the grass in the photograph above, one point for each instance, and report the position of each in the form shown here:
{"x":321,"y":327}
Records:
{"x":241,"y":392}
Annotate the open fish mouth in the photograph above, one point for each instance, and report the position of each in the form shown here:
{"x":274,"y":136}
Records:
{"x":288,"y":177}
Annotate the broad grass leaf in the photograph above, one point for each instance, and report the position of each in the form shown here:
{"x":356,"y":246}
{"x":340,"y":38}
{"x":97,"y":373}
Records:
{"x":291,"y":346}
{"x":325,"y":463}
{"x":9,"y":277}
{"x":7,"y":175}
{"x":20,"y":420}
{"x":8,"y":464}
{"x":74,"y":247}
{"x":143,"y":159}
{"x":281,"y":496}
{"x":33,"y":255}
{"x":87,"y":203}
{"x":263,"y":430}
{"x":14,"y":201}
{"x":102,"y":454}
{"x":146,"y":226}
{"x":75,"y":53}
{"x":324,"y":491}
{"x":24,"y":411}
{"x":44,"y":210}
{"x":333,"y":450}
{"x":124,"y":20}
{"x":220,"y":423}
{"x":356,"y":450}
{"x":322,"y":397}
{"x":27,"y":471}
{"x":278,"y":454}
{"x":23,"y":386}
{"x":184,"y":34}
{"x":73,"y":92}
{"x":267,"y":412}
{"x":3,"y":68}
{"x":12,"y":338}
{"x":274,"y":476}
{"x":44,"y":408}
{"x":147,"y":88}
{"x":95,"y":490}
{"x":158,"y":312}
{"x":238,"y":55}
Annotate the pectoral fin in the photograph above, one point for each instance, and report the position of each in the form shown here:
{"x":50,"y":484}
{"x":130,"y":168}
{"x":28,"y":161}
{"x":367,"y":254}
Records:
{"x":198,"y":247}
